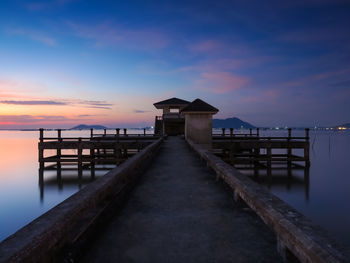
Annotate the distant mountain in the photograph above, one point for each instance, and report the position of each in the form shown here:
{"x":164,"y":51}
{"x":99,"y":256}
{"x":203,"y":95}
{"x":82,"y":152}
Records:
{"x":87,"y":127}
{"x":231,"y":123}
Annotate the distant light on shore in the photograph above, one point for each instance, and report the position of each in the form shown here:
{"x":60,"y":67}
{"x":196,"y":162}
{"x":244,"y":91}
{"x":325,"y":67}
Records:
{"x":341,"y":128}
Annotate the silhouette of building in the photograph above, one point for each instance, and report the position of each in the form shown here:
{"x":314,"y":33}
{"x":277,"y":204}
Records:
{"x":171,"y":122}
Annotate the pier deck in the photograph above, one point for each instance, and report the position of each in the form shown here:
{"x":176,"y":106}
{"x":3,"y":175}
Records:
{"x":180,"y":213}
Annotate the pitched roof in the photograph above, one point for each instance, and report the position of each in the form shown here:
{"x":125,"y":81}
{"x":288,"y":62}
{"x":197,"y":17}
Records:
{"x":172,"y":101}
{"x":199,"y":106}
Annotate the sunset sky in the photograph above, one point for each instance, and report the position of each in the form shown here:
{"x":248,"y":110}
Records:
{"x":67,"y":62}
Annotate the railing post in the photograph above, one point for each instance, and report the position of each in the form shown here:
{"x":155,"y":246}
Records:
{"x":41,"y":155}
{"x":231,"y":132}
{"x":59,"y":135}
{"x":91,"y":133}
{"x":41,"y":134}
{"x":117,"y":131}
{"x":269,"y":159}
{"x":306,"y":148}
{"x":223,"y":131}
{"x":59,"y":154}
{"x":289,"y":149}
{"x":104,"y":132}
{"x":144,"y":131}
{"x":92,"y":162}
{"x":124,"y":131}
{"x":250,"y":132}
{"x":80,"y":159}
{"x":257,"y":132}
{"x":307,"y":134}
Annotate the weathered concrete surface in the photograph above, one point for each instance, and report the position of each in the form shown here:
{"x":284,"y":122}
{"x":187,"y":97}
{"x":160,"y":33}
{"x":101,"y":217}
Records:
{"x":180,"y":213}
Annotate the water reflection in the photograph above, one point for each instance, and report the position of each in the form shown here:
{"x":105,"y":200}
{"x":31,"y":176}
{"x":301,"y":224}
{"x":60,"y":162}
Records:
{"x":291,"y":178}
{"x":55,"y":176}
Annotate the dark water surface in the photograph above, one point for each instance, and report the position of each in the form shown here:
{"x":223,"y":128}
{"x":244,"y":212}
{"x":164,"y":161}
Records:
{"x":325,"y":200}
{"x":325,"y":197}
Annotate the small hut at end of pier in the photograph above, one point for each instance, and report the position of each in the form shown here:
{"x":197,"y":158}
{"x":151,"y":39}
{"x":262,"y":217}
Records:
{"x":198,"y":122}
{"x":171,"y":122}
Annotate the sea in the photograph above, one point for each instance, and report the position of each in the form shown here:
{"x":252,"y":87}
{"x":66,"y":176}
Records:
{"x":324,"y":198}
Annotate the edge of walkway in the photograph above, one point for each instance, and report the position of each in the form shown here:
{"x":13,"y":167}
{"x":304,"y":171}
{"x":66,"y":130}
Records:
{"x":296,"y":235}
{"x":41,"y":239}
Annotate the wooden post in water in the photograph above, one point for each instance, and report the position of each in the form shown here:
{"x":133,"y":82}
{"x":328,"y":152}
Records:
{"x":269,"y":157}
{"x":59,"y":154}
{"x":256,"y":163}
{"x":306,"y":148}
{"x":289,"y":149}
{"x":307,"y":182}
{"x":41,"y":155}
{"x":80,"y":159}
{"x":116,"y":154}
{"x":41,"y":164}
{"x":231,"y":132}
{"x":41,"y":134}
{"x":92,"y":162}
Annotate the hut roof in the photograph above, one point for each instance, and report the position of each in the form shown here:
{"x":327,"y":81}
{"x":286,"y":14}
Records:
{"x":199,"y":106}
{"x":171,"y":102}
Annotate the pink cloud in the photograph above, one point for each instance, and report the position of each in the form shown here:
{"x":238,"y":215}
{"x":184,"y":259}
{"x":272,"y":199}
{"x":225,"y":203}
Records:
{"x":107,"y":34}
{"x":220,"y":82}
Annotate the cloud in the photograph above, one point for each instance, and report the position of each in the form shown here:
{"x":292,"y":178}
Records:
{"x":140,"y":111}
{"x":20,"y":119}
{"x":109,"y":34}
{"x":33,"y":35}
{"x":33,"y":102}
{"x":95,"y":104}
{"x":220,"y":82}
{"x":85,"y":103}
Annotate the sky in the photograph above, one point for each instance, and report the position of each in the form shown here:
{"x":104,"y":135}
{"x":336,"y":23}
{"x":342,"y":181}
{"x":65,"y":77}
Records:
{"x":271,"y":63}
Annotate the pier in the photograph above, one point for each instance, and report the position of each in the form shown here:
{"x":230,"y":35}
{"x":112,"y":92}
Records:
{"x":172,"y":199}
{"x":256,"y":151}
{"x":179,"y":212}
{"x":84,"y":153}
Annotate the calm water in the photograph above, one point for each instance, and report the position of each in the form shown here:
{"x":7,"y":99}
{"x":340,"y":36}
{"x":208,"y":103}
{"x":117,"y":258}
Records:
{"x":324,"y":200}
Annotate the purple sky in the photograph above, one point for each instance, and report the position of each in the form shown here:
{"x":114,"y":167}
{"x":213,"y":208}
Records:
{"x":65,"y":62}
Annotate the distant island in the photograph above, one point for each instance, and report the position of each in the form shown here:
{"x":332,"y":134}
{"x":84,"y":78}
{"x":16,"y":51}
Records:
{"x":87,"y":127}
{"x":235,"y":123}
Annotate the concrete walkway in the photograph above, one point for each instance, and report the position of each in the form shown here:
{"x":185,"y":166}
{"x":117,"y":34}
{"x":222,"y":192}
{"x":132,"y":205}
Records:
{"x":180,"y":213}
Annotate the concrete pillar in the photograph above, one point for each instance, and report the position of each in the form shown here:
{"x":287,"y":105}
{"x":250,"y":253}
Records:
{"x":198,"y":122}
